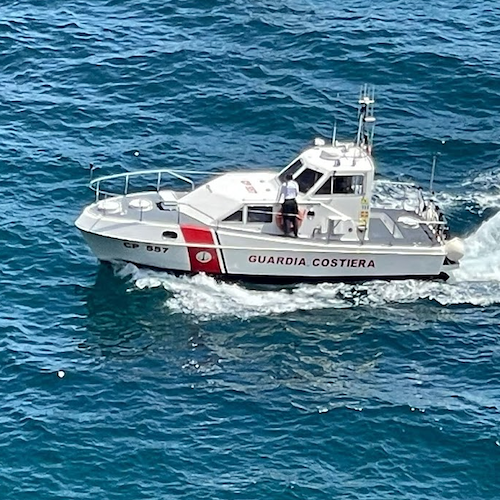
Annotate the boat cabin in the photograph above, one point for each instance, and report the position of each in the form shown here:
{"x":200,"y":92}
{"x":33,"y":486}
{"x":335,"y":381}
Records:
{"x":335,"y":184}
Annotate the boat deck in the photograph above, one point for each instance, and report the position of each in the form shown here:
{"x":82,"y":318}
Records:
{"x":398,"y":233}
{"x":387,"y":226}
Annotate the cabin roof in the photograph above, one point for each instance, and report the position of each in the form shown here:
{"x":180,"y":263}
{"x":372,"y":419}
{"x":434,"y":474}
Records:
{"x":224,"y":195}
{"x":344,"y":158}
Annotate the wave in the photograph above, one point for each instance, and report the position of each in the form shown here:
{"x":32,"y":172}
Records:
{"x":481,"y":262}
{"x":476,"y":194}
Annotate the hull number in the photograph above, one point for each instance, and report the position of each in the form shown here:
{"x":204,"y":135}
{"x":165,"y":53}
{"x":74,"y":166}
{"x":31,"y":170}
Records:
{"x":149,"y":248}
{"x":153,"y":248}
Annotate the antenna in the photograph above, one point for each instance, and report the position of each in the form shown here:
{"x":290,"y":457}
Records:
{"x":433,"y":169}
{"x":334,"y":131}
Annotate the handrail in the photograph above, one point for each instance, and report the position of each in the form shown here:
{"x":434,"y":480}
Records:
{"x":95,"y":184}
{"x":426,"y":208}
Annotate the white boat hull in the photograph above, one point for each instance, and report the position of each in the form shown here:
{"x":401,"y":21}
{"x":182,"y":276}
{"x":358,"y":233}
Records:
{"x":216,"y":254}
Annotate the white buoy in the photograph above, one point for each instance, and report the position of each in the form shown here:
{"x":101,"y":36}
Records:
{"x":60,"y":374}
{"x":136,"y":153}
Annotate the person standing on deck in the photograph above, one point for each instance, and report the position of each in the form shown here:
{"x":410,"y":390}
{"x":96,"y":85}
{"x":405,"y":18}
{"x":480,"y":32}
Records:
{"x":289,"y":209}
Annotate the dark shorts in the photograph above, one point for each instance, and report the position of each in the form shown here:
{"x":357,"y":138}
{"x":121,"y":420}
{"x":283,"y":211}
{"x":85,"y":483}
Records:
{"x":289,"y":208}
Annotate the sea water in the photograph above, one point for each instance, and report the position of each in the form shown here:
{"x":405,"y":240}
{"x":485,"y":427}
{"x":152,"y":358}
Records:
{"x":123,"y":383}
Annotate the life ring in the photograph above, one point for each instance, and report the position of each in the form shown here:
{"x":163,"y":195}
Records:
{"x":300,"y":218}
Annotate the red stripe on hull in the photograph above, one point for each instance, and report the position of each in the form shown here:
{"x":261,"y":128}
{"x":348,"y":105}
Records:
{"x":201,"y":258}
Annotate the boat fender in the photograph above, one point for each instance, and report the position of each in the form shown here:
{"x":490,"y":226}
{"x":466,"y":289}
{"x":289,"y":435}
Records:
{"x":454,"y":249}
{"x":300,"y":218}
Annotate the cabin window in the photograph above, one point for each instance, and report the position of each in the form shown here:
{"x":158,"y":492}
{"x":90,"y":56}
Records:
{"x":307,"y":178}
{"x":260,"y":214}
{"x":290,"y":170}
{"x":235,"y":217}
{"x":342,"y":184}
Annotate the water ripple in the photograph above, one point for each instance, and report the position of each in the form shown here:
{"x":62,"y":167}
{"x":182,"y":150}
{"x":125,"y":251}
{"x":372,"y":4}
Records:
{"x":188,"y":387}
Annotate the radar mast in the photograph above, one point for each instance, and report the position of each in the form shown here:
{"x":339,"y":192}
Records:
{"x":366,"y":118}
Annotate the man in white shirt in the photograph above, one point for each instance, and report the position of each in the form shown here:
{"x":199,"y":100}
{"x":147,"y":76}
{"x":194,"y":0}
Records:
{"x":289,"y":209}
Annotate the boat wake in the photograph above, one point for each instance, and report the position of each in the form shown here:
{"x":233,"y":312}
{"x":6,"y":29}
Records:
{"x":477,"y":282}
{"x":477,"y":194}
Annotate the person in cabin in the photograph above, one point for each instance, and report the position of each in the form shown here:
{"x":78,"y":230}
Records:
{"x":289,"y":208}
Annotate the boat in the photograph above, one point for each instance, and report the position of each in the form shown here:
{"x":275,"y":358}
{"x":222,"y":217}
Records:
{"x":231,"y":225}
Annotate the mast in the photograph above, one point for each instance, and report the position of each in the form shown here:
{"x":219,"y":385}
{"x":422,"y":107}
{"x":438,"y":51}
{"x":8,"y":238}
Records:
{"x":366,"y":118}
{"x":433,"y":169}
{"x":433,"y":172}
{"x":334,"y":134}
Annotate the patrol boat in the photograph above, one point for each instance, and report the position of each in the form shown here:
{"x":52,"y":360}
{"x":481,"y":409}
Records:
{"x":232,"y":227}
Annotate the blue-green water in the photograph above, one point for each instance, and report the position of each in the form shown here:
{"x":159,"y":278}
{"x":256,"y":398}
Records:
{"x":190,"y":388}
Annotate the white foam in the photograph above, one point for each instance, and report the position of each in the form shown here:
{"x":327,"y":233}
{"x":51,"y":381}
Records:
{"x":480,"y":193}
{"x":404,"y":195}
{"x":481,"y":261}
{"x":205,"y":297}
{"x":395,"y":194}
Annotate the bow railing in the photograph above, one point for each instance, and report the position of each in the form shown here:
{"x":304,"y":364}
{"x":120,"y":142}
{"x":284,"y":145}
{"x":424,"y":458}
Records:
{"x":160,"y":175}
